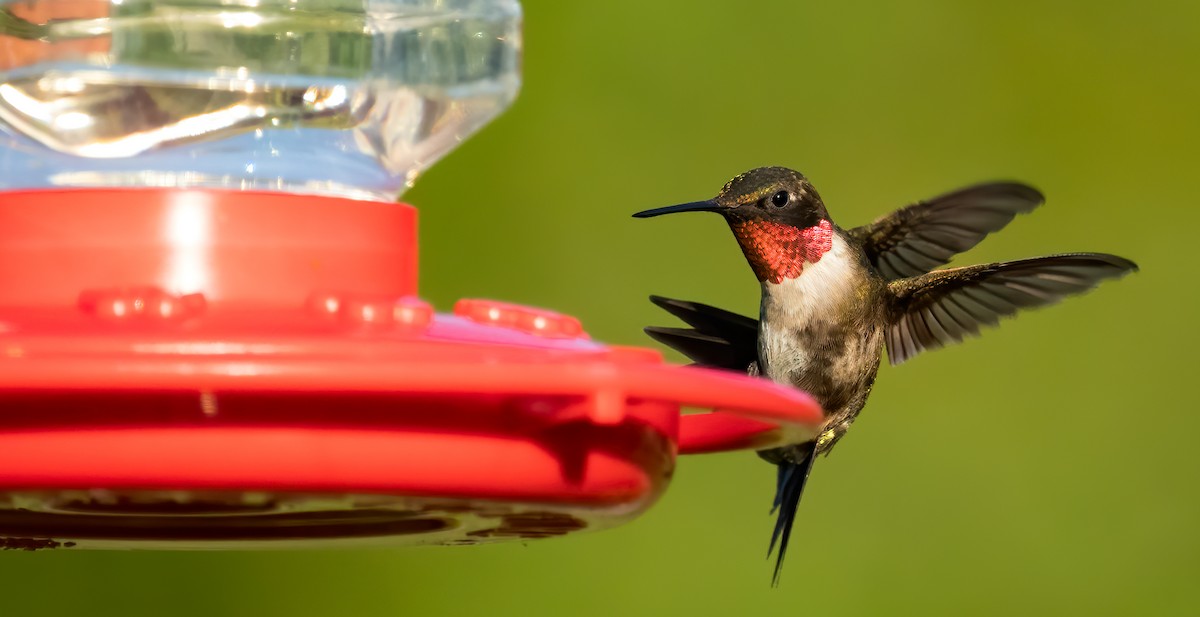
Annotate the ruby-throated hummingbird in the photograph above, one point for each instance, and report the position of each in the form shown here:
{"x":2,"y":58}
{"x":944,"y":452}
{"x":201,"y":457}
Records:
{"x":832,"y":298}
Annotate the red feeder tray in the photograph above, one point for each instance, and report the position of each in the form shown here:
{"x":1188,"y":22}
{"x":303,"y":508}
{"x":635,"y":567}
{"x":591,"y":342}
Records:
{"x":221,"y":369}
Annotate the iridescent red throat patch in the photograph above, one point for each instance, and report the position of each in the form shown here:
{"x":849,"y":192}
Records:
{"x":777,"y":251}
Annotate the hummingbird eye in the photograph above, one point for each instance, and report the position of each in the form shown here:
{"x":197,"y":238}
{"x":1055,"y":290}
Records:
{"x":780,"y":199}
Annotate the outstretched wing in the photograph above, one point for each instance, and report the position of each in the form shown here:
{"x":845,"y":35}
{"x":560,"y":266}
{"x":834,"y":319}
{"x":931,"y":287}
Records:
{"x":943,"y":307}
{"x":926,"y":235}
{"x":717,"y":338}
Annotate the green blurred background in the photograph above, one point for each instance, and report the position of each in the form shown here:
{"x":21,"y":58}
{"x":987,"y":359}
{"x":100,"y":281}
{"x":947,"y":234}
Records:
{"x":1049,"y":467}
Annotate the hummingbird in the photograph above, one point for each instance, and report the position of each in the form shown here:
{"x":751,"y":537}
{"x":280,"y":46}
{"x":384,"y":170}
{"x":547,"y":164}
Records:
{"x":834,"y":298}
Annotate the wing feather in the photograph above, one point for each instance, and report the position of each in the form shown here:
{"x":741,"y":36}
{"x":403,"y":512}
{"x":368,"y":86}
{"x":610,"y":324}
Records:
{"x":717,"y":338}
{"x":928,"y":234}
{"x":945,"y":306}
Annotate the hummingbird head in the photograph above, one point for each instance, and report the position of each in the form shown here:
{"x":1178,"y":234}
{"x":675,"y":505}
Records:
{"x":777,"y":217}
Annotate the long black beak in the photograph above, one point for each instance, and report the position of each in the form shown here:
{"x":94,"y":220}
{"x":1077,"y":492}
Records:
{"x":696,"y":206}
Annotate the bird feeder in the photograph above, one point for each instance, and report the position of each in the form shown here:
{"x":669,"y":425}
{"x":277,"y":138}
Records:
{"x":210,"y":328}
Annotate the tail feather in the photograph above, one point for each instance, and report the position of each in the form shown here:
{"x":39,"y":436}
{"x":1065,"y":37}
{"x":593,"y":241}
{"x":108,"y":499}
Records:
{"x":791,"y":479}
{"x":724,"y":340}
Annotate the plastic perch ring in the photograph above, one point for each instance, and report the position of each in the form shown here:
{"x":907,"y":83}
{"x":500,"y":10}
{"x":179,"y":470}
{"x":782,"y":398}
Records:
{"x":243,"y":370}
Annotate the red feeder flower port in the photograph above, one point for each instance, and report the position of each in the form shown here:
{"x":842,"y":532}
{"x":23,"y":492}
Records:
{"x":208,"y":339}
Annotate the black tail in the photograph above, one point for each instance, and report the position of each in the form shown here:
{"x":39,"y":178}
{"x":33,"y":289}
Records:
{"x":724,"y":340}
{"x":788,"y":488}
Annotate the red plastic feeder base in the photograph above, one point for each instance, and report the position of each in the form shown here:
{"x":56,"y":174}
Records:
{"x":211,"y":369}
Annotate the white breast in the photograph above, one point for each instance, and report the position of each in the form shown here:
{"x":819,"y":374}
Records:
{"x":823,"y":288}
